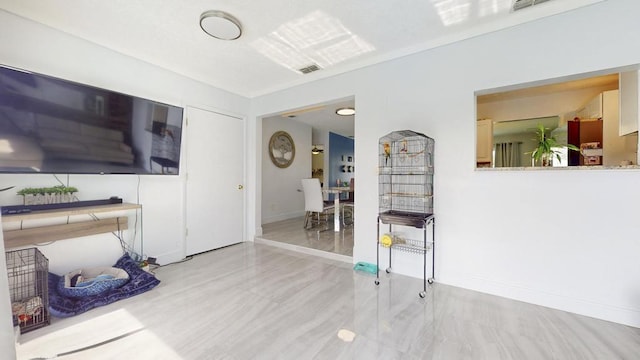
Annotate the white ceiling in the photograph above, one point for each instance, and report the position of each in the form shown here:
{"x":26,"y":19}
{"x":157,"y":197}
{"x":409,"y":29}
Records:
{"x":336,"y":34}
{"x":322,"y":118}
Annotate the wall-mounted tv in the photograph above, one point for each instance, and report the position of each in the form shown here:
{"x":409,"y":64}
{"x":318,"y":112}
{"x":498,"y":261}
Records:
{"x":50,"y":125}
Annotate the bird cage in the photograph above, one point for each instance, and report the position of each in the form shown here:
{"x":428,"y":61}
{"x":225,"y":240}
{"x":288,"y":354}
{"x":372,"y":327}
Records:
{"x":28,"y":271}
{"x":405,"y":180}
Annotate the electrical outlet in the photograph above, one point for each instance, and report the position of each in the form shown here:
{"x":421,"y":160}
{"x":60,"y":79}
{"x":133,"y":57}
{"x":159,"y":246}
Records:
{"x":152,"y":261}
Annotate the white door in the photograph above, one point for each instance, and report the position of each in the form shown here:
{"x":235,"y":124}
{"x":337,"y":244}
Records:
{"x":215,"y":178}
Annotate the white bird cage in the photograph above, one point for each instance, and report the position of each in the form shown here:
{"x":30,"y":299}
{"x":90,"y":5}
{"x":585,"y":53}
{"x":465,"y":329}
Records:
{"x":405,"y":180}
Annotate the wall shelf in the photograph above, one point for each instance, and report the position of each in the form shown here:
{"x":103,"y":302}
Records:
{"x":39,"y":234}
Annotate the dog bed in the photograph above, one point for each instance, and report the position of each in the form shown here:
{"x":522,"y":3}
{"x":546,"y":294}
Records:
{"x":91,"y":281}
{"x":139,"y":281}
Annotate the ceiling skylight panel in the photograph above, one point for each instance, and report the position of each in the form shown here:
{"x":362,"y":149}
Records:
{"x":344,"y":50}
{"x":452,"y":12}
{"x":316,"y":38}
{"x":492,"y":7}
{"x":311,"y":30}
{"x":281,"y":53}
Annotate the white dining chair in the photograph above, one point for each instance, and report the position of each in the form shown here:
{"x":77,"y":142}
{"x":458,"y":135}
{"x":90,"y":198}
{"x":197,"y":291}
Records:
{"x":314,"y":204}
{"x":348,"y":204}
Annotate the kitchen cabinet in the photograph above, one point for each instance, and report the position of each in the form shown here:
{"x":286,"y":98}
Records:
{"x":617,"y":149}
{"x":628,"y":103}
{"x":484,"y":141}
{"x":613,"y":149}
{"x":592,"y":109}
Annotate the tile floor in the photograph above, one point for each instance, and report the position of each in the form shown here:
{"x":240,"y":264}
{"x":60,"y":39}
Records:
{"x":252,"y":301}
{"x":323,"y":241}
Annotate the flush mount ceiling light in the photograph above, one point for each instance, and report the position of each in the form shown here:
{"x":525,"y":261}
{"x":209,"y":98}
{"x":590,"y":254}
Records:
{"x":346,"y":111}
{"x":220,"y":25}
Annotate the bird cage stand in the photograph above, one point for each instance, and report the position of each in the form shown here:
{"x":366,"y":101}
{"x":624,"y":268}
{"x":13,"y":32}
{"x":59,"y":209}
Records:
{"x":405,"y":191}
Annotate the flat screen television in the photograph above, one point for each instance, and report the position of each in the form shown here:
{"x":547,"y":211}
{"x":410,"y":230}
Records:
{"x":50,"y":125}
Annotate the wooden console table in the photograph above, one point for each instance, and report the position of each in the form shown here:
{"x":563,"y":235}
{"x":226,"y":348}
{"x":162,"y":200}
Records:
{"x":40,"y":234}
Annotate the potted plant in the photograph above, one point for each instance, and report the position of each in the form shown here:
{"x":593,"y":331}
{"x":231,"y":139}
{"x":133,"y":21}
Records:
{"x":547,"y":147}
{"x":47,"y":195}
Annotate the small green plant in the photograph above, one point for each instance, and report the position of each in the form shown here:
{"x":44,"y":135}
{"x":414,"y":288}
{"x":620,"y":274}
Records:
{"x":547,"y":145}
{"x":60,"y":189}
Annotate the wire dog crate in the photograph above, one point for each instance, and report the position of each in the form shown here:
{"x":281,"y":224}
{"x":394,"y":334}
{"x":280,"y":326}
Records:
{"x":28,"y":271}
{"x":405,"y":195}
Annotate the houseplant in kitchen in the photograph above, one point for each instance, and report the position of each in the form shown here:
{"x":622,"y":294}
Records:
{"x":47,"y":195}
{"x":547,"y":147}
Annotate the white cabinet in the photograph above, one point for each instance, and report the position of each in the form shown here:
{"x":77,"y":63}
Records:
{"x":628,"y":102}
{"x":592,"y":109}
{"x":617,"y":149}
{"x":484,"y":141}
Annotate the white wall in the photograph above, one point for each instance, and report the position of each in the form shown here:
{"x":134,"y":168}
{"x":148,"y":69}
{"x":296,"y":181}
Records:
{"x":35,"y":47}
{"x":280,"y":196}
{"x":581,"y":256}
{"x":572,"y":259}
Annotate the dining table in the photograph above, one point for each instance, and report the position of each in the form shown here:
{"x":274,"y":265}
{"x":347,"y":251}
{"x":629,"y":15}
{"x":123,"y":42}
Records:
{"x":336,"y":190}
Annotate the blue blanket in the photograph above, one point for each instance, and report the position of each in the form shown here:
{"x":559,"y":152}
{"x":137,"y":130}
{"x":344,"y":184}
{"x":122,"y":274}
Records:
{"x":139,"y":281}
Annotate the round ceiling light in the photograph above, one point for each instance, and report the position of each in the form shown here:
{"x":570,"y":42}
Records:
{"x":220,"y":25}
{"x":346,"y":111}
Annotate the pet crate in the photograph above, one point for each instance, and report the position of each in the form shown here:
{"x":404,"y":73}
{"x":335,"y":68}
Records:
{"x":28,"y":271}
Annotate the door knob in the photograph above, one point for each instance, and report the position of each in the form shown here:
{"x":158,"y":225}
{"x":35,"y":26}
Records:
{"x":240,"y":187}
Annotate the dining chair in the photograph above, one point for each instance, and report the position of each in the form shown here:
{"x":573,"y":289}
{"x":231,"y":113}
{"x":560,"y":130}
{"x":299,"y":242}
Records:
{"x":314,"y":204}
{"x":348,"y":203}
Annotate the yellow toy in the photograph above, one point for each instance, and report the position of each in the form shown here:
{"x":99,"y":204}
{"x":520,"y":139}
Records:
{"x":387,"y":240}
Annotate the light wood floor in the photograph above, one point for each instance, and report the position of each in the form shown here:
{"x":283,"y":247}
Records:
{"x":252,"y":301}
{"x":322,"y":241}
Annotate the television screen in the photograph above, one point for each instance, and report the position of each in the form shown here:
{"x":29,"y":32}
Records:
{"x":49,"y":125}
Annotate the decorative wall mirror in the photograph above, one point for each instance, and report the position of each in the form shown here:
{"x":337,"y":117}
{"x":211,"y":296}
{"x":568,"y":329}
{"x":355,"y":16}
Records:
{"x":592,"y":119}
{"x":282,"y":149}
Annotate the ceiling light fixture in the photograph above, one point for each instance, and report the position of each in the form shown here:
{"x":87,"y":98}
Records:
{"x":346,"y":111}
{"x":220,"y":25}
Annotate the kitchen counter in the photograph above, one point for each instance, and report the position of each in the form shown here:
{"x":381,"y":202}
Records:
{"x":570,"y":168}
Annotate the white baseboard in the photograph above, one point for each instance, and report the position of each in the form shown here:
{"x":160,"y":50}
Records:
{"x":168,"y":258}
{"x":608,"y":312}
{"x":280,"y":217}
{"x":305,"y":250}
{"x":16,"y":334}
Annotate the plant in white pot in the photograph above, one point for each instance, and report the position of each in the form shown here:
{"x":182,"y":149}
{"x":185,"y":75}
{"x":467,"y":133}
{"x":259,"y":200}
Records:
{"x":547,"y":147}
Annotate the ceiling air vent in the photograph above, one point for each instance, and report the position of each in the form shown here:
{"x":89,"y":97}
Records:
{"x":521,"y":4}
{"x":309,"y":69}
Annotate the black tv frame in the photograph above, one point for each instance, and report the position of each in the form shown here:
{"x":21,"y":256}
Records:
{"x":52,"y":125}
